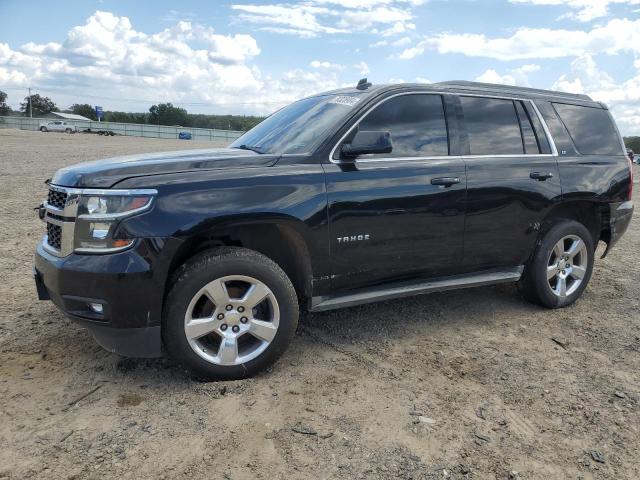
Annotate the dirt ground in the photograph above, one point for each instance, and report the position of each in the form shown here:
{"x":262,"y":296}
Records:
{"x":471,"y":384}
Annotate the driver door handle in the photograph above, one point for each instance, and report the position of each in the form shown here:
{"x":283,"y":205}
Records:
{"x":541,"y":177}
{"x":445,"y":181}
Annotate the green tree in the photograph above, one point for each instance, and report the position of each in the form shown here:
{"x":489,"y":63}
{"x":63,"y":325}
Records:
{"x":126,"y":117}
{"x":224,"y":122}
{"x":167,"y":114}
{"x":633,"y":143}
{"x":4,"y":108}
{"x":40,"y":105}
{"x":84,"y":109}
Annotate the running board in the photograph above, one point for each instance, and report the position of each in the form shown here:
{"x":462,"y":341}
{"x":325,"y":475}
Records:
{"x":420,"y":287}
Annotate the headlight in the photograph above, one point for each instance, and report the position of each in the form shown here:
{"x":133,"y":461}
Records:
{"x":100,"y":211}
{"x":112,"y":206}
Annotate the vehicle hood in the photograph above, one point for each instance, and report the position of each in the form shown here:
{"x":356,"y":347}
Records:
{"x":106,"y":173}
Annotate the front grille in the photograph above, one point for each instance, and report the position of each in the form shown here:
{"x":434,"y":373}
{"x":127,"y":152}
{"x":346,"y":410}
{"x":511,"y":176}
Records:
{"x":54,"y":235}
{"x":57,"y":199}
{"x":60,"y":219}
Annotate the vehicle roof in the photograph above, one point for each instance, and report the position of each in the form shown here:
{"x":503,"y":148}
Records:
{"x":462,"y":87}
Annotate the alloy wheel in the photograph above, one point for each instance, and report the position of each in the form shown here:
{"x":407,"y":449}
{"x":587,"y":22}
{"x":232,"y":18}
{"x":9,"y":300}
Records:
{"x":232,"y":320}
{"x":567,"y":265}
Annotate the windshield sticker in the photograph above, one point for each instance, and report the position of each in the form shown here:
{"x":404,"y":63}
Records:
{"x":344,"y":100}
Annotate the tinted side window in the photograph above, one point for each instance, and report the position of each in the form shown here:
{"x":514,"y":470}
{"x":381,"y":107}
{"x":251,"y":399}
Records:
{"x":416,"y":123}
{"x":492,"y":126}
{"x":529,"y":137}
{"x":591,"y":129}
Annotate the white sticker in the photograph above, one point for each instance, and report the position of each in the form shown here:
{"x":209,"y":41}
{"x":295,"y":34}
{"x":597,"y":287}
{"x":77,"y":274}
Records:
{"x":344,"y":100}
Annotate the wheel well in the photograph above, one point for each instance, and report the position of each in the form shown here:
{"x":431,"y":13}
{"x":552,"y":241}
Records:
{"x":280,"y":243}
{"x":592,"y":215}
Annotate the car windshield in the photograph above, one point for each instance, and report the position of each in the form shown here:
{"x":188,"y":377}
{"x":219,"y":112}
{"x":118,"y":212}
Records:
{"x":298,"y":127}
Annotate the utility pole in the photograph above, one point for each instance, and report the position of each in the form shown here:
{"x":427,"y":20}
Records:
{"x":30,"y":109}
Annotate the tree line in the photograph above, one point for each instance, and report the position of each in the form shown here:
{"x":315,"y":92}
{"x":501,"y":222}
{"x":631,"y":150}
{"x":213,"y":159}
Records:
{"x":633,"y":143}
{"x":160,"y":114}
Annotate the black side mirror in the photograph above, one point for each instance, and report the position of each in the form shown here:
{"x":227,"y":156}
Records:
{"x":367,"y":142}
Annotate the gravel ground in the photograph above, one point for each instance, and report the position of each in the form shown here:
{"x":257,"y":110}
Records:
{"x":466,"y":384}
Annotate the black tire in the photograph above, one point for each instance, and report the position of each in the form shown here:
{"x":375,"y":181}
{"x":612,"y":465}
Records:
{"x":207,"y":267}
{"x":534,"y":284}
{"x":43,"y":129}
{"x":68,"y":131}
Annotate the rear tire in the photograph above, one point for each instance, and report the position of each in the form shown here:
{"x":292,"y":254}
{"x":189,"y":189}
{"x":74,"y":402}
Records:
{"x":43,"y":129}
{"x":230,"y":313}
{"x":68,"y":131}
{"x":561,"y":266}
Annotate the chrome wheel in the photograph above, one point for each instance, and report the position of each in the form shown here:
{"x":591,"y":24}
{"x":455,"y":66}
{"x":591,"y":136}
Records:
{"x":232,"y":320}
{"x":567,"y":265}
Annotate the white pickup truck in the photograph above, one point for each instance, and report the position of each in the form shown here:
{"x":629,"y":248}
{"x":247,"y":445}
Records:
{"x":58,"y":126}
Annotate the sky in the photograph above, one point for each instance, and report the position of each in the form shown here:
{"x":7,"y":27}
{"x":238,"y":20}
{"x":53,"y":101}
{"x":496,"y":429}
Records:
{"x":253,"y":57}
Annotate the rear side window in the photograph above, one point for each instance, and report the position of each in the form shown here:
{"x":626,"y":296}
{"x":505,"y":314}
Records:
{"x":416,"y":123}
{"x":492,"y":125}
{"x":591,"y":129}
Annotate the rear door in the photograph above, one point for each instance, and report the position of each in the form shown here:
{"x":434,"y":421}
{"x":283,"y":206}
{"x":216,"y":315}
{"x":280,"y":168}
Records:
{"x":512,"y":179}
{"x":390,"y":215}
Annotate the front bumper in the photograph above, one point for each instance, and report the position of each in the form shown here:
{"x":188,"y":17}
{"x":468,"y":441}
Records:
{"x":129,"y":286}
{"x":619,"y":219}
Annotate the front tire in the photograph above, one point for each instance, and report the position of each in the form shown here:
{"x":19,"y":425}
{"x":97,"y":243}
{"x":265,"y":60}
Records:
{"x":43,"y":129}
{"x":68,"y":131}
{"x":230,"y":313}
{"x":561,"y":266}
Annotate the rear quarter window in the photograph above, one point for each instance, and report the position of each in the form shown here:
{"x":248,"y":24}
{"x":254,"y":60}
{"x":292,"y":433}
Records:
{"x":590,"y":128}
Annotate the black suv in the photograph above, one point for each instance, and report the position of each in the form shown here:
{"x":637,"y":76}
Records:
{"x":346,"y":197}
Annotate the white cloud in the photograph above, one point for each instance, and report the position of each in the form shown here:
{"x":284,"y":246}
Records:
{"x":325,"y":64}
{"x":401,"y":42}
{"x":188,"y":64}
{"x":362,"y":68}
{"x":584,"y":10}
{"x":517,"y":76}
{"x":299,"y":19}
{"x":379,"y":43}
{"x":491,"y":76}
{"x":312,"y":18}
{"x":618,"y":35}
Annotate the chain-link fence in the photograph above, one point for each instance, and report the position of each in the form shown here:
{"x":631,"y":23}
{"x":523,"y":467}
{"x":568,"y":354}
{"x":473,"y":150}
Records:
{"x":129,"y":129}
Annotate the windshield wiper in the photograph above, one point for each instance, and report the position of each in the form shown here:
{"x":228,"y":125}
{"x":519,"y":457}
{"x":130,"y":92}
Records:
{"x":253,"y":148}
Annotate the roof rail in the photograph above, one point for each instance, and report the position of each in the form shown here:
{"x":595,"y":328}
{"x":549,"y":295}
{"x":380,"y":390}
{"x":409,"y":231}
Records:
{"x":463,"y":84}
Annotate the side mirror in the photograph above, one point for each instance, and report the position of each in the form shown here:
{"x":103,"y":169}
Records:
{"x":367,"y":142}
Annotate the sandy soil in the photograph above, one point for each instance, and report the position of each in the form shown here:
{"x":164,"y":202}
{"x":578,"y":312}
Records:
{"x":467,"y":384}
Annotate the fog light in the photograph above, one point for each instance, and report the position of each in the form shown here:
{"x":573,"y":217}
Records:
{"x":96,"y":308}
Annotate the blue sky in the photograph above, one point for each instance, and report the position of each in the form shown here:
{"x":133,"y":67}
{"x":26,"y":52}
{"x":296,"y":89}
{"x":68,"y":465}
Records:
{"x":253,"y":57}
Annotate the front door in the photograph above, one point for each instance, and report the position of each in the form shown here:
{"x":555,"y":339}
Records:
{"x":398,"y":215}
